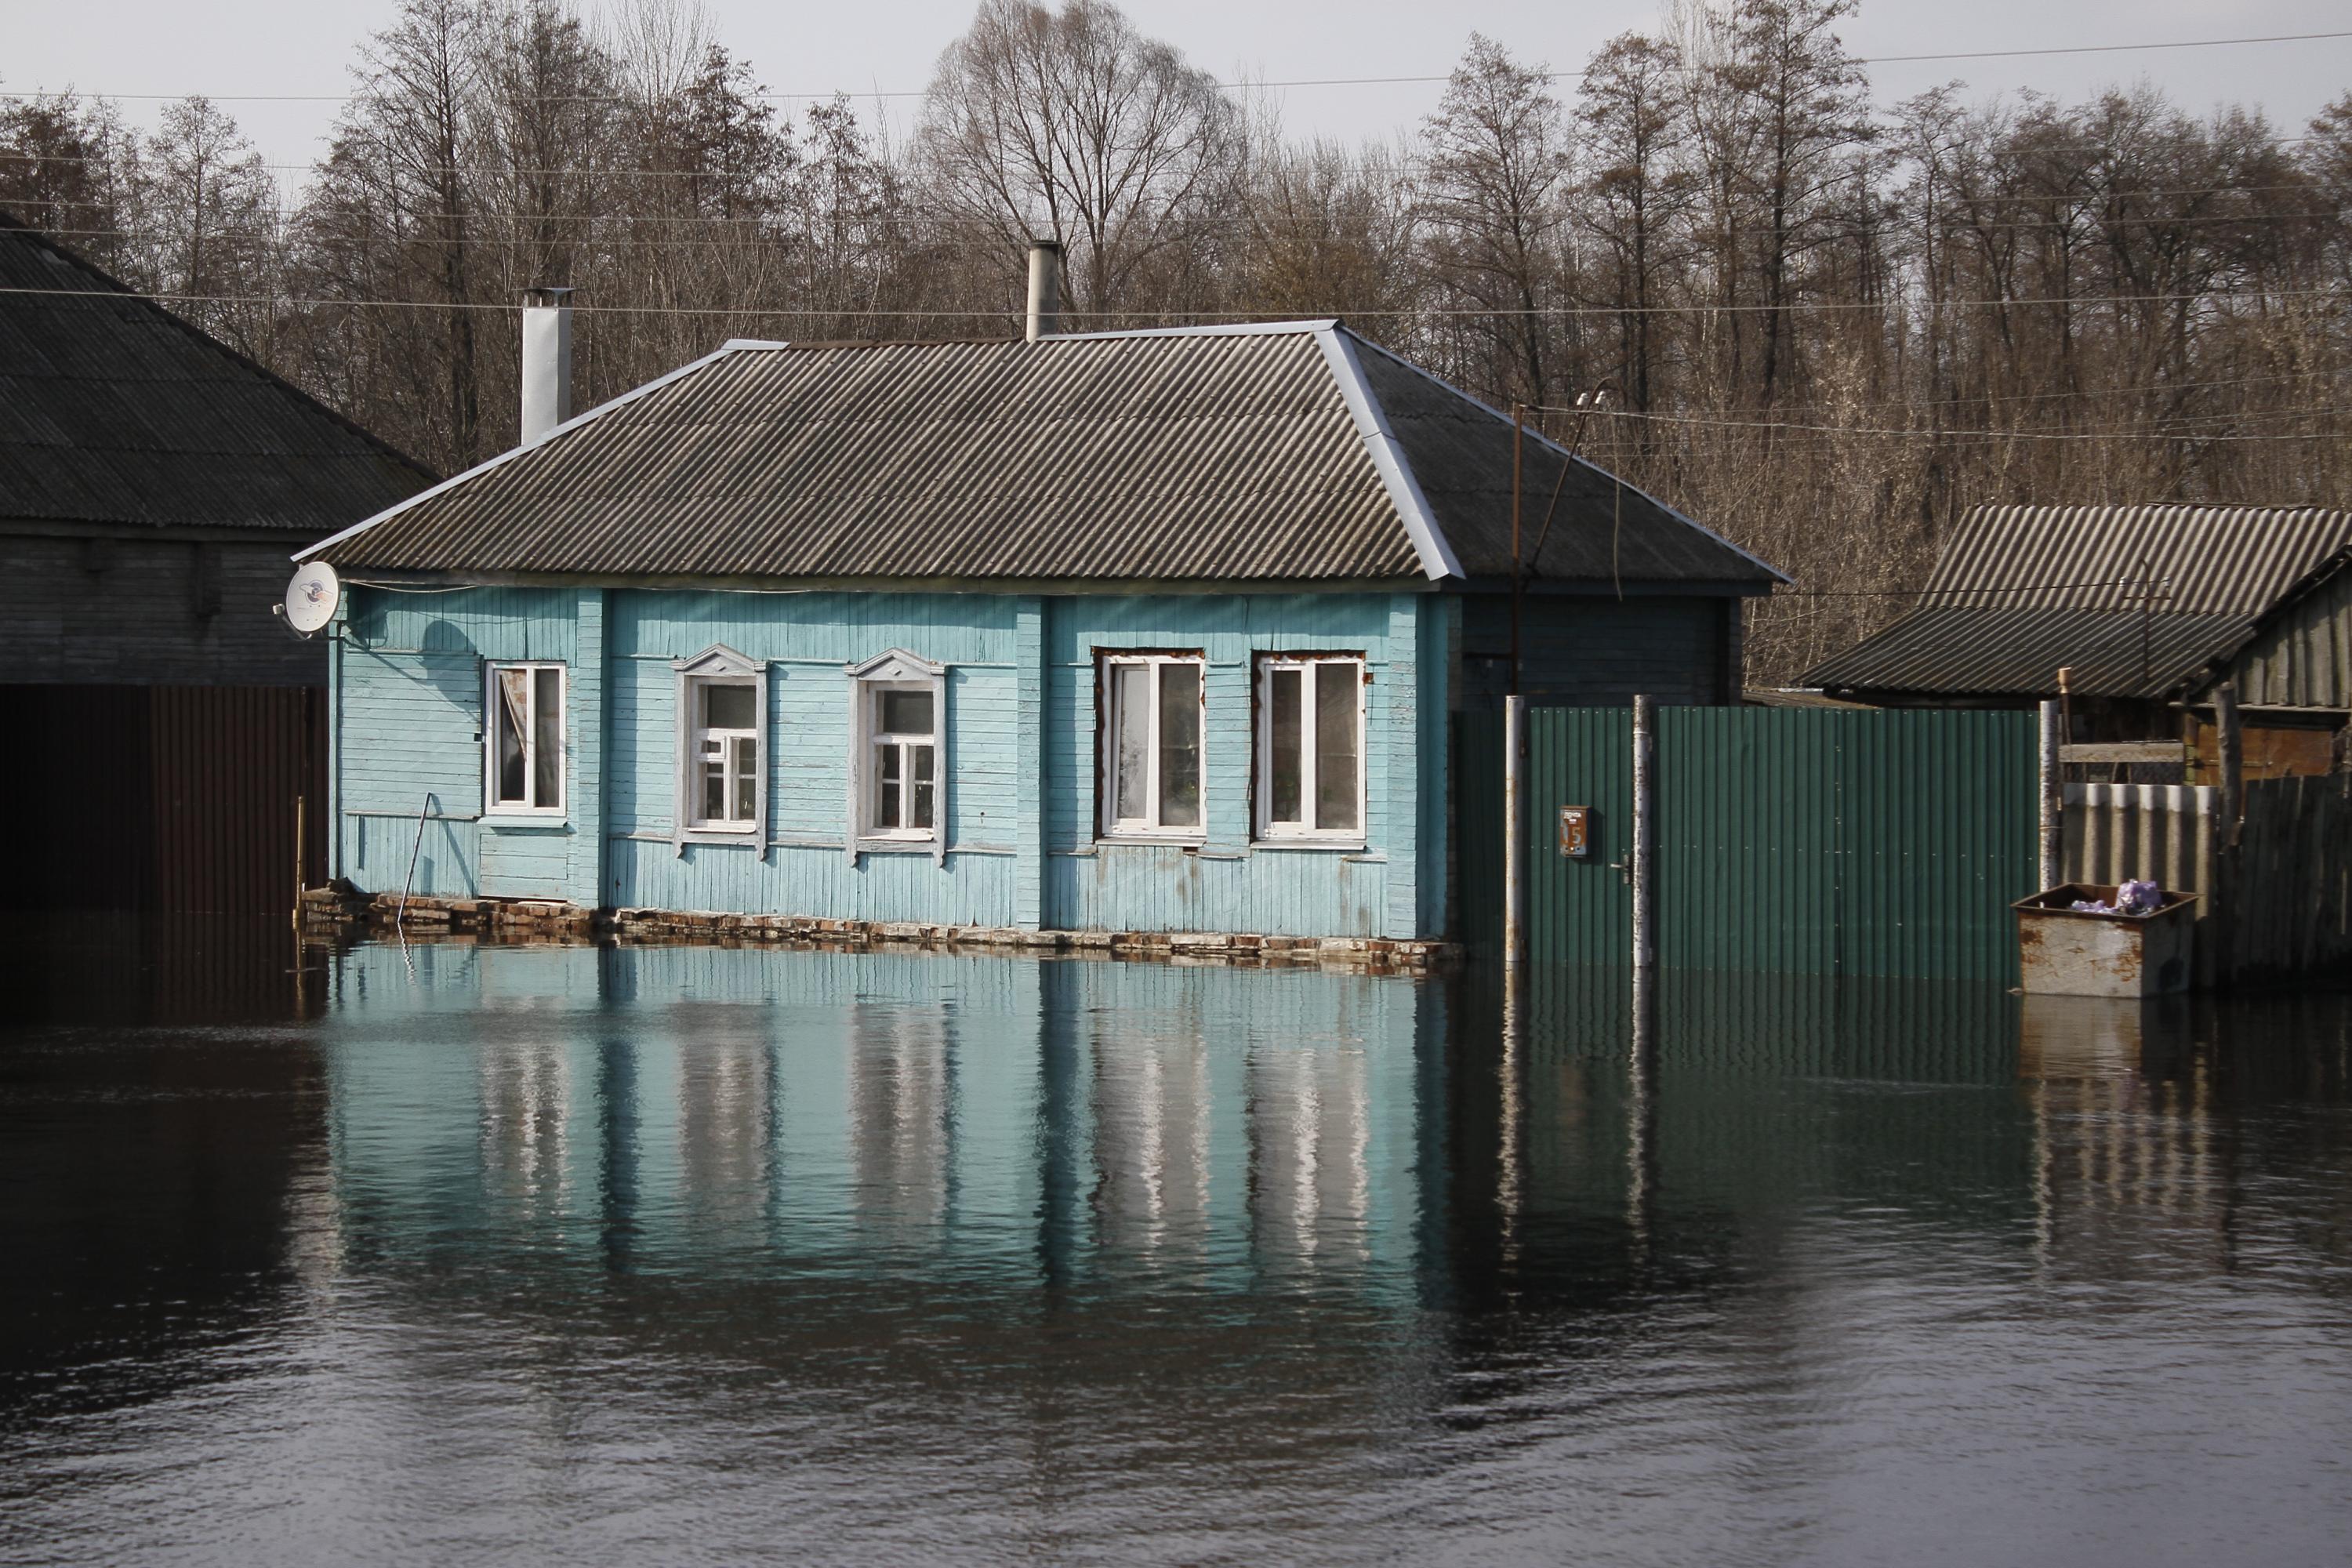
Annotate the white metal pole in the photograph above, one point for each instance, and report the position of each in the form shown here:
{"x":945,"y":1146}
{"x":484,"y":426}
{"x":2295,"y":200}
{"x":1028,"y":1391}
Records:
{"x":1646,"y":831}
{"x":2054,"y":799}
{"x":1515,"y":718}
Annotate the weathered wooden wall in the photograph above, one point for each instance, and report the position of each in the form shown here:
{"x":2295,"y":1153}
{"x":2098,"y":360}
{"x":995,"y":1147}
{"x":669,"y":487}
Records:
{"x":138,"y":609}
{"x":2294,"y":905}
{"x":2303,"y":657}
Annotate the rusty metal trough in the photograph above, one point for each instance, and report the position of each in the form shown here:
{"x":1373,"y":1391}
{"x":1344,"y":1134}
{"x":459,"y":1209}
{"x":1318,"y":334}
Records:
{"x":2066,"y":952}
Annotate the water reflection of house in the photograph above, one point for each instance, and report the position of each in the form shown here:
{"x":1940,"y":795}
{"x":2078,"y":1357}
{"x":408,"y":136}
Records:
{"x":1069,"y":1116}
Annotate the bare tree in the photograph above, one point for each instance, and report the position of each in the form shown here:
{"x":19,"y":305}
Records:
{"x":208,"y":223}
{"x":1491,"y":203}
{"x":66,"y":167}
{"x":1071,"y":124}
{"x":1637,"y":189}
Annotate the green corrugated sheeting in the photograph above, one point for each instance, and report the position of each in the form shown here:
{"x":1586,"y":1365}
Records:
{"x":1579,"y":911}
{"x":1789,"y":841}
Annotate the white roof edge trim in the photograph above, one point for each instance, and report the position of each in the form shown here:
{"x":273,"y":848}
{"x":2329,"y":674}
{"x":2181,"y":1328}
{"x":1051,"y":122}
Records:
{"x":1212,"y":330}
{"x":1539,"y":436}
{"x":1429,"y":540}
{"x":732,"y":345}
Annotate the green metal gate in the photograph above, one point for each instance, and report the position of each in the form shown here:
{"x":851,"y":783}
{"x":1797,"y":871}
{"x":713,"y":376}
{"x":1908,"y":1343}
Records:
{"x":1837,"y":842}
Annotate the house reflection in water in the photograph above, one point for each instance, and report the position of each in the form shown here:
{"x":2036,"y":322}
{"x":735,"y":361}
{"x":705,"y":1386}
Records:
{"x":668,"y":1108}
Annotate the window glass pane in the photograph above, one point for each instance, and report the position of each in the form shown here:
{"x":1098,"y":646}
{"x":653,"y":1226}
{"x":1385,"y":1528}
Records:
{"x":1131,"y":759}
{"x":924,"y":790}
{"x":886,"y":812}
{"x":906,"y":713}
{"x":729,"y":708}
{"x":747,"y":775}
{"x":714,"y":792}
{"x":513,"y":722}
{"x":1282,"y":705}
{"x":1180,"y":745}
{"x":547,"y":742}
{"x":1336,"y":689}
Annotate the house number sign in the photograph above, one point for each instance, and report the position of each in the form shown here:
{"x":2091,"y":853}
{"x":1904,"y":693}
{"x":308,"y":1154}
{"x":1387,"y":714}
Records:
{"x":1576,"y":831}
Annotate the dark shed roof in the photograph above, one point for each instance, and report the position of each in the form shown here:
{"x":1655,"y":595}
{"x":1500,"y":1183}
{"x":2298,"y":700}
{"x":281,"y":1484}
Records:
{"x":1459,"y":452}
{"x":1291,"y":452}
{"x":114,"y":410}
{"x":2023,"y":591}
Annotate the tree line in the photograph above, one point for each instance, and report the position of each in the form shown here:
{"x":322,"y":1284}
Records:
{"x":1821,"y":324}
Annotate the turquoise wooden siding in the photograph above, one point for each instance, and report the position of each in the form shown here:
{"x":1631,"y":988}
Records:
{"x":1020,"y":757}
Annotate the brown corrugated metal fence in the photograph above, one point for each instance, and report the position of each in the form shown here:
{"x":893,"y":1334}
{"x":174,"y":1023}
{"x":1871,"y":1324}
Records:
{"x":165,"y":798}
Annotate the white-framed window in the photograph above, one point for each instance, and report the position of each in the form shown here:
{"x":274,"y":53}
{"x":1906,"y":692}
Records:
{"x":1151,"y":768}
{"x":722,"y":749}
{"x":898,"y":766}
{"x":724,"y":714}
{"x":522,"y":740}
{"x":1310,"y":746}
{"x":902,"y":755}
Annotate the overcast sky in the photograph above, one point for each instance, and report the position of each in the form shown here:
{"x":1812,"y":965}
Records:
{"x":232,"y":49}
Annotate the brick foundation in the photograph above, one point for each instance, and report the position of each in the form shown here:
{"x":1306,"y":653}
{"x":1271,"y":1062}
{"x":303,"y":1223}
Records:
{"x":329,"y":909}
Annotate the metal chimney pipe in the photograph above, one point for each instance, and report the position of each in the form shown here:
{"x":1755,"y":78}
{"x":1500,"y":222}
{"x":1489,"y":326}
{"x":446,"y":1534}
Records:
{"x":1044,"y":287}
{"x":546,"y":360}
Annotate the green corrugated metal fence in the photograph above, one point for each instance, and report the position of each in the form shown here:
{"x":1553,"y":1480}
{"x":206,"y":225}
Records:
{"x":1789,"y":840}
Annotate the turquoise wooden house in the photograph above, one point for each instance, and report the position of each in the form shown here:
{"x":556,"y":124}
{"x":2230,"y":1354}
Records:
{"x":1136,"y":631}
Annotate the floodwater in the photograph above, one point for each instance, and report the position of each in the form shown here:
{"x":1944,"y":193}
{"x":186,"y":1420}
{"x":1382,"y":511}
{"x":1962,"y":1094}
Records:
{"x":492,"y":1255}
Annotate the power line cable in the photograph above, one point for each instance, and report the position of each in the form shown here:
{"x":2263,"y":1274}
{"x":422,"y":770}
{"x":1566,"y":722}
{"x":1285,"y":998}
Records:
{"x":767,"y":95}
{"x":1209,"y":316}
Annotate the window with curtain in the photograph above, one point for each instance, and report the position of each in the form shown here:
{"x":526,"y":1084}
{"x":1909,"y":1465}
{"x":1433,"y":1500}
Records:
{"x":1310,"y":743}
{"x":524,"y":738}
{"x":1151,"y":766}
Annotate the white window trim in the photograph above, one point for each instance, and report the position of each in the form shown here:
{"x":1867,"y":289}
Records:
{"x":719,"y":664}
{"x":898,"y":669}
{"x":1302,"y":834}
{"x":1126,"y":831}
{"x":493,"y":809}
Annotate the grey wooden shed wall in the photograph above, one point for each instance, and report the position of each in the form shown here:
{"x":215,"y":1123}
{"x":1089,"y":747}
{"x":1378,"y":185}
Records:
{"x":2302,"y":656}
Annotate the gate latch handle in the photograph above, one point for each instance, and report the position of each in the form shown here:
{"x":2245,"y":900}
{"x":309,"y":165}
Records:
{"x":1624,"y":868}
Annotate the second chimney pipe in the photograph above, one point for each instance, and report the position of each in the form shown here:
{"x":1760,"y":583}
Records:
{"x":546,"y":360}
{"x":1044,"y":287}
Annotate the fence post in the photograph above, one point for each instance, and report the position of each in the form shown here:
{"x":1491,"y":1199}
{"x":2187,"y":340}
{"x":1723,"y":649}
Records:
{"x":2222,"y":902}
{"x":1646,"y":831}
{"x":1514,"y":719}
{"x":2054,"y":800}
{"x":2231,"y":740}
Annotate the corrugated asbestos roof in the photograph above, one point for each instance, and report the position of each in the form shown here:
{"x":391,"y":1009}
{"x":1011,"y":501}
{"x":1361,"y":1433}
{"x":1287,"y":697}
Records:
{"x":2023,"y":591}
{"x":1988,"y":650}
{"x":114,"y":410}
{"x":1250,"y":454}
{"x":2201,"y":558}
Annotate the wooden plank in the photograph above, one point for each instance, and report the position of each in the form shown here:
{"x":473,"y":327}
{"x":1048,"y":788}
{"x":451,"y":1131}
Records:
{"x":2125,"y":752}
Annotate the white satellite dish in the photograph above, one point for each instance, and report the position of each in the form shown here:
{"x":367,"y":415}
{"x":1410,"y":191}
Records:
{"x":312,"y":597}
